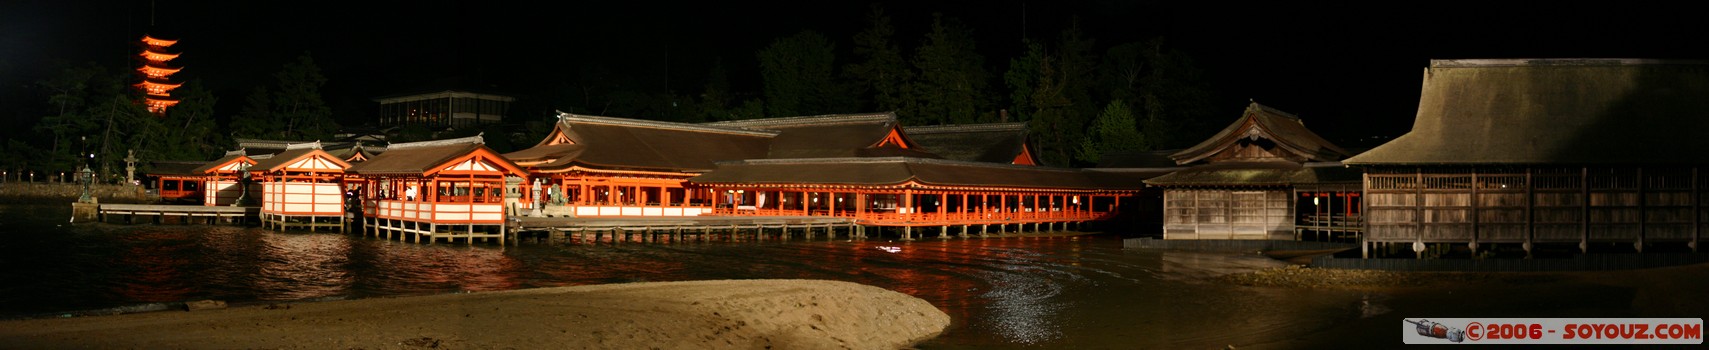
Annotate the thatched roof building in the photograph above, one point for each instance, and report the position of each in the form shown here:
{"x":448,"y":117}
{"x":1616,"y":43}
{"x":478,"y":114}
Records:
{"x":1556,"y":111}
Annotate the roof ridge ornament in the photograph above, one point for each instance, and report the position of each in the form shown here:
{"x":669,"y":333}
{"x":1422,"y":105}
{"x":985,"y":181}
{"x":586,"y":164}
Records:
{"x":823,"y":119}
{"x":930,"y":129}
{"x":566,"y":118}
{"x":304,"y":145}
{"x":432,"y":143}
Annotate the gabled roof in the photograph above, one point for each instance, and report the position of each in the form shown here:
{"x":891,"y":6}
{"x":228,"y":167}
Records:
{"x":279,"y":161}
{"x":617,"y":143}
{"x":175,"y":168}
{"x":354,"y":153}
{"x":442,"y":93}
{"x":1272,"y":173}
{"x":832,"y":136}
{"x":265,"y":146}
{"x":238,"y":156}
{"x":991,"y":143}
{"x":430,"y":157}
{"x":896,"y":171}
{"x":1556,"y":111}
{"x":1139,"y":159}
{"x":1291,"y":138}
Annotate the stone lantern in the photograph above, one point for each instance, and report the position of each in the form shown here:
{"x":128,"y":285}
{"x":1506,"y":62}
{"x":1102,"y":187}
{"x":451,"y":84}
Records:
{"x":87,"y":177}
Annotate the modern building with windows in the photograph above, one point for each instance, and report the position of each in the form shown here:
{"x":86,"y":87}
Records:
{"x":444,"y":109}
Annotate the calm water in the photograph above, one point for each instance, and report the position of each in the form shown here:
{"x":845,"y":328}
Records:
{"x":1012,"y":292}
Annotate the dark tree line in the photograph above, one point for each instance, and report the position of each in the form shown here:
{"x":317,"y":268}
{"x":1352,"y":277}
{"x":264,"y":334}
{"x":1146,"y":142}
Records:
{"x":97,"y":118}
{"x":1082,"y":99}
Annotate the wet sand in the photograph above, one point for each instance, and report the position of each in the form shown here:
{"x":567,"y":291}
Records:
{"x":743,"y":314}
{"x":1387,"y":298}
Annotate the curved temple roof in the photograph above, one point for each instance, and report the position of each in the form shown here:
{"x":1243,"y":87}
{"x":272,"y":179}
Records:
{"x":992,"y":143}
{"x":897,"y":171}
{"x":831,"y":136}
{"x":1555,"y":111}
{"x":1293,"y":140}
{"x":422,"y":158}
{"x":641,"y":145}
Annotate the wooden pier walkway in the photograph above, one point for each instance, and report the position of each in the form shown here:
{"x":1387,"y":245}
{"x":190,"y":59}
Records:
{"x":702,"y":228}
{"x":583,"y":229}
{"x":187,"y":213}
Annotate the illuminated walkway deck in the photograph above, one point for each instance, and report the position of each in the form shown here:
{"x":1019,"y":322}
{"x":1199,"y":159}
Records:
{"x":655,"y":229}
{"x":187,"y":213}
{"x":729,"y":227}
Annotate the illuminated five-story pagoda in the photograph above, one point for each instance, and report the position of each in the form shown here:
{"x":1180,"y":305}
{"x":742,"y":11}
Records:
{"x":155,"y":86}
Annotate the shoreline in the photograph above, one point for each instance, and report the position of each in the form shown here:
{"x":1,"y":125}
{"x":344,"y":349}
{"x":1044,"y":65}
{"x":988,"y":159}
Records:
{"x":694,"y":314}
{"x":1386,"y":298}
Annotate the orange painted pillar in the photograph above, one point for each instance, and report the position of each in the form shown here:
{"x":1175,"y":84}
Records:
{"x":964,"y":196}
{"x":860,"y":204}
{"x":943,"y":202}
{"x":908,"y":202}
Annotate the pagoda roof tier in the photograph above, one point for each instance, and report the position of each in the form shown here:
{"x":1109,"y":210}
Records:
{"x":992,"y":143}
{"x":1555,"y":111}
{"x":155,"y":89}
{"x":912,"y":173}
{"x":157,"y":56}
{"x":156,"y":71}
{"x":160,"y":83}
{"x":153,"y":41}
{"x":158,"y":103}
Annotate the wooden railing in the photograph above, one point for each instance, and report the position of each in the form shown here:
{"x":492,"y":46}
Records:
{"x":440,"y":213}
{"x":630,"y":210}
{"x":1336,"y":220}
{"x":928,"y":219}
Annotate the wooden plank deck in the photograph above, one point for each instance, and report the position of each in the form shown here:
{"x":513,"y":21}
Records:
{"x":185,"y":211}
{"x":576,"y":224}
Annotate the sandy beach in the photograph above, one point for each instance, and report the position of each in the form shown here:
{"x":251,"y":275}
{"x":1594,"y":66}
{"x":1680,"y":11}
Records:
{"x":739,"y":314}
{"x":1389,"y":297}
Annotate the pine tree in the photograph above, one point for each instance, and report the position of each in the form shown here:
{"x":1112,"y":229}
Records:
{"x":1112,"y":132}
{"x":798,"y":73}
{"x":952,"y":82}
{"x":192,"y":132}
{"x":881,"y":74}
{"x":294,"y":110}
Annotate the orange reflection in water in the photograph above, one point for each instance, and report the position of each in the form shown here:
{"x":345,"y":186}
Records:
{"x":154,"y":272}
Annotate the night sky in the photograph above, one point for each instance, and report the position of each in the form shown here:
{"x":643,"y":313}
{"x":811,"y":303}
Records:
{"x":1349,"y":71}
